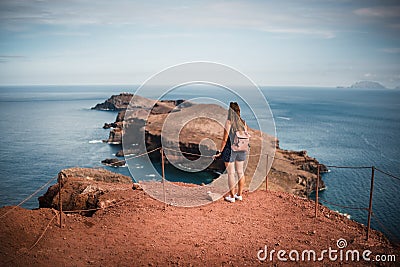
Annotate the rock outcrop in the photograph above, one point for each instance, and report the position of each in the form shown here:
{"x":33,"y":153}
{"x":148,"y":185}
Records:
{"x":115,"y":136}
{"x":292,"y":171}
{"x":84,"y":189}
{"x":115,"y":102}
{"x":113,"y":162}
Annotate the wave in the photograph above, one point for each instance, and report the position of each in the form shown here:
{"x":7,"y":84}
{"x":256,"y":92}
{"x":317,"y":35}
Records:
{"x":283,"y":118}
{"x":368,"y":142}
{"x":115,"y":166}
{"x":150,"y":175}
{"x":348,"y":216}
{"x":95,"y":141}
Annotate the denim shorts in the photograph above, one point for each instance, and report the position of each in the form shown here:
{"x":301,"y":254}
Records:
{"x":230,"y":156}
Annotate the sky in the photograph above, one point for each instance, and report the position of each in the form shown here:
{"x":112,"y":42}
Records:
{"x":277,"y":43}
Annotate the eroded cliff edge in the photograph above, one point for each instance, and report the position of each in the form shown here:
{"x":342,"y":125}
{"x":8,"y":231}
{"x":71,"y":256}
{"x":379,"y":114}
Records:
{"x":292,"y":171}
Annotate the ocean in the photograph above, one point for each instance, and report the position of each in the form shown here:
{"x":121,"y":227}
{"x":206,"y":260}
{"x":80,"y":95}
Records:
{"x":48,"y":128}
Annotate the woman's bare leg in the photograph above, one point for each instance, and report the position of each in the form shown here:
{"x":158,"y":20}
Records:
{"x":230,"y":168}
{"x":239,"y":170}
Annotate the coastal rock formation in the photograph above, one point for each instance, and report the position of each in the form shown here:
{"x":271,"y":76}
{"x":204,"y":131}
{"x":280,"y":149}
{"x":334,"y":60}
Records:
{"x":113,"y":162}
{"x":110,"y":125}
{"x":120,"y":153}
{"x":121,"y":102}
{"x":83,"y":189}
{"x":115,"y":102}
{"x":287,"y":167}
{"x":115,"y":136}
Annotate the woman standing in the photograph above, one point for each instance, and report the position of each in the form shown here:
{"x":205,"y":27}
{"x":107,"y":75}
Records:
{"x":233,"y":159}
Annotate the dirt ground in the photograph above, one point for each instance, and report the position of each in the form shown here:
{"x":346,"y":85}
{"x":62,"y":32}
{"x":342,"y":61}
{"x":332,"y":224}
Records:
{"x":140,"y":231}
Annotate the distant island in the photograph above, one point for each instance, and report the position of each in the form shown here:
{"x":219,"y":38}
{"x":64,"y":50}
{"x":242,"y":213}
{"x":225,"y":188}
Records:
{"x":365,"y":85}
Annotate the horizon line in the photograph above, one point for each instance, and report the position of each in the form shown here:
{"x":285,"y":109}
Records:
{"x":139,"y":84}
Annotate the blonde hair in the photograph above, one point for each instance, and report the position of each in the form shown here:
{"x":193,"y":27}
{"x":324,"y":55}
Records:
{"x":237,"y":123}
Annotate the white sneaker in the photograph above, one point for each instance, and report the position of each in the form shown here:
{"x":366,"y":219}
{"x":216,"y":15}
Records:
{"x":238,"y":197}
{"x":230,"y":199}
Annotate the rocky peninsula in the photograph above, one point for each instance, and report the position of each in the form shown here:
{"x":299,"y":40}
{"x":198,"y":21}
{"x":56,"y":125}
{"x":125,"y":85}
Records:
{"x":86,"y":189}
{"x":291,"y":171}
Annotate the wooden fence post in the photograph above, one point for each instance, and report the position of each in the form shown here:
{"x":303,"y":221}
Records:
{"x":316,"y":192}
{"x":371,"y":191}
{"x":266,"y":176}
{"x":59,"y":197}
{"x":163,"y":177}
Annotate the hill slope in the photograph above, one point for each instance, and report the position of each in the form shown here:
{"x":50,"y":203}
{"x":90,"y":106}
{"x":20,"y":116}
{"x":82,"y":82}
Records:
{"x":139,"y":232}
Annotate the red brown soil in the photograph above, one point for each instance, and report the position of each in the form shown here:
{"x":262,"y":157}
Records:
{"x":140,"y":231}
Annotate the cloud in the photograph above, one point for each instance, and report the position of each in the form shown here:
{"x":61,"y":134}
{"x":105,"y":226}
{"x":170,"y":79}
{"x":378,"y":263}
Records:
{"x":395,"y":26}
{"x":162,"y":35}
{"x":379,"y":12}
{"x":67,"y":13}
{"x":287,"y":18}
{"x":7,"y":58}
{"x":11,"y":56}
{"x":392,"y":50}
{"x":305,"y":31}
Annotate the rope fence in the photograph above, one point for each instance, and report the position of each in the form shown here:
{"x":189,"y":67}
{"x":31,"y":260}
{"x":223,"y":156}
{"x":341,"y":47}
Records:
{"x":29,"y":197}
{"x":348,"y":167}
{"x":187,"y":153}
{"x":388,"y":174}
{"x":96,"y":209}
{"x":20,"y":252}
{"x":273,"y":157}
{"x":384,"y":227}
{"x":44,"y":231}
{"x":369,"y":209}
{"x":268,"y":156}
{"x":341,"y":206}
{"x":142,"y":154}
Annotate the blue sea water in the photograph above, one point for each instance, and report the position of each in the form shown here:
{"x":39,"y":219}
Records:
{"x":48,"y":128}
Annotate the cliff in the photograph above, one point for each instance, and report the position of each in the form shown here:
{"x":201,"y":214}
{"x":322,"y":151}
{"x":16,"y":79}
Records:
{"x":292,"y":171}
{"x":115,"y":102}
